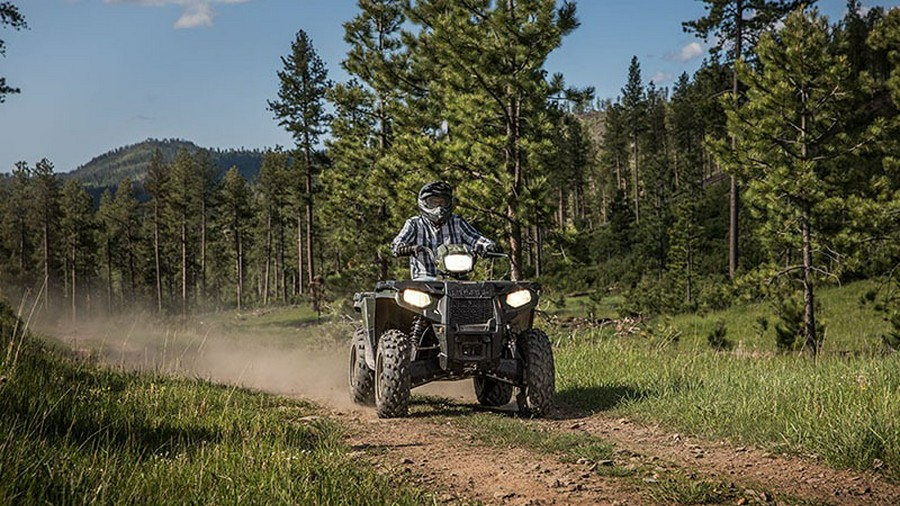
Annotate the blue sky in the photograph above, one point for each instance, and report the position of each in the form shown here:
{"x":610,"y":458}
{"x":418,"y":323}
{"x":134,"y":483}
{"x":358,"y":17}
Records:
{"x":99,"y":74}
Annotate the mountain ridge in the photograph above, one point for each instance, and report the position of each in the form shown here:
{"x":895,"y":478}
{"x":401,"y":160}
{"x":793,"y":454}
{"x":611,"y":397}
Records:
{"x":132,"y":161}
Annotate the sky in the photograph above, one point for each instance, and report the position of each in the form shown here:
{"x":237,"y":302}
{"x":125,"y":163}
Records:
{"x":96,"y":75}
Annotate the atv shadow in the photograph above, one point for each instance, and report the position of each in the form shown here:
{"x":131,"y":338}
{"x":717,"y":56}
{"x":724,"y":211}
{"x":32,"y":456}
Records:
{"x":424,"y":406}
{"x":571,"y":404}
{"x":599,"y":398}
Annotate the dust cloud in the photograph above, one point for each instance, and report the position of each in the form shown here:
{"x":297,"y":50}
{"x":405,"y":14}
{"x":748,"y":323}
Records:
{"x":310,"y":362}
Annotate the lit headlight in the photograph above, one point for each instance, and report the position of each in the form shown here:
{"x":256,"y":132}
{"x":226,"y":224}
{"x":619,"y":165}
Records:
{"x":518,"y":298}
{"x":416,"y":298}
{"x":458,"y":263}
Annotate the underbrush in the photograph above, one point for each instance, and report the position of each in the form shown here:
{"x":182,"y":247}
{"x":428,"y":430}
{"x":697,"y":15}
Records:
{"x":841,"y":407}
{"x":77,"y":433}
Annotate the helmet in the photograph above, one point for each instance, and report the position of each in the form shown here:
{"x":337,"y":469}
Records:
{"x":436,"y":202}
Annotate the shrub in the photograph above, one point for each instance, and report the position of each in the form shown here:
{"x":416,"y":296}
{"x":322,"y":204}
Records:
{"x":789,"y":331}
{"x":717,"y":339}
{"x":789,"y":328}
{"x":891,"y":338}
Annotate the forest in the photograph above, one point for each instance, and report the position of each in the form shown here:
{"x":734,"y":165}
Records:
{"x":770,"y":172}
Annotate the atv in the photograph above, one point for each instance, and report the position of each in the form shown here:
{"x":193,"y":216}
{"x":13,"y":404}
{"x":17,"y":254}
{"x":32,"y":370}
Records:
{"x":449,"y":328}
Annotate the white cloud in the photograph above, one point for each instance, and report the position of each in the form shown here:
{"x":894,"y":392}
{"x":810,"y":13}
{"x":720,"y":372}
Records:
{"x":687,"y":53}
{"x":662,"y":78}
{"x":200,"y":14}
{"x":195,"y":12}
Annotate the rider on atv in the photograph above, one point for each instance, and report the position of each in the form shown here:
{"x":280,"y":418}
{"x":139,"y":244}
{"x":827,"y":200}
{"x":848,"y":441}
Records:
{"x":441,"y":326}
{"x":436,"y":225}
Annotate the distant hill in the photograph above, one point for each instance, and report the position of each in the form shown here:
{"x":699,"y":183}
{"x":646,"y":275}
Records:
{"x":108,"y":169}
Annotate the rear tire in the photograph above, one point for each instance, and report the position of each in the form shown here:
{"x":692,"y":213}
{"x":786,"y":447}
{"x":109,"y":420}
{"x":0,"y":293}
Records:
{"x":540,"y":373}
{"x":362,"y":379}
{"x":492,"y":393}
{"x":392,"y":382}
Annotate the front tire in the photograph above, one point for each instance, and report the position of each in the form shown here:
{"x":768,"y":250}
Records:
{"x":392,"y":382}
{"x":362,"y":379}
{"x":492,"y":393}
{"x":540,"y":373}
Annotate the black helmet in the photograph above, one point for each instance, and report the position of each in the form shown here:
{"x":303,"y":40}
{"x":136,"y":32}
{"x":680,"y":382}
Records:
{"x":436,"y":202}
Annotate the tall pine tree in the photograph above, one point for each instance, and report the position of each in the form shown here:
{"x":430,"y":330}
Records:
{"x":788,"y":133}
{"x":736,"y":25}
{"x":300,"y":109}
{"x":483,"y":65}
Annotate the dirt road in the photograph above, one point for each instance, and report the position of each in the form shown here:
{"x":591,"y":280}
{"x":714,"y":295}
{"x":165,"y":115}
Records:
{"x":649,"y":465}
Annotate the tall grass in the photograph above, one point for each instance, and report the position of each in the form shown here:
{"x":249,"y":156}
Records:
{"x":75,"y":433}
{"x":843,"y":407}
{"x":850,"y":328}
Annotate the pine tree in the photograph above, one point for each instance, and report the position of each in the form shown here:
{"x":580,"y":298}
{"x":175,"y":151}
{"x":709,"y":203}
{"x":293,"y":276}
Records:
{"x":362,"y":135}
{"x":118,"y":222}
{"x":657,"y":181}
{"x":156,"y":184}
{"x":274,"y":193}
{"x":633,"y":107}
{"x":300,"y":108}
{"x":614,"y":153}
{"x":9,"y":16}
{"x":482,"y":63}
{"x":206,"y":199}
{"x":788,"y":134}
{"x":77,"y":229}
{"x":45,"y":216}
{"x":685,"y":237}
{"x":373,"y":36}
{"x":236,"y":215}
{"x":18,"y":231}
{"x":877,"y":211}
{"x":357,"y":202}
{"x":186,"y":208}
{"x":729,"y":23}
{"x":127,"y":215}
{"x":109,"y":232}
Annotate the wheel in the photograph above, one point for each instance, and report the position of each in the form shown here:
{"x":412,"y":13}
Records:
{"x":491,"y":392}
{"x":540,"y":374}
{"x":362,"y":379}
{"x":392,"y":375}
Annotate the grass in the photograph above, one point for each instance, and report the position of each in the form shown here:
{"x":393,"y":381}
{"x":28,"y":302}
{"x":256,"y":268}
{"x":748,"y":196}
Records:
{"x":76,"y":433}
{"x":562,"y":308}
{"x":841,"y":407}
{"x":503,"y":431}
{"x":849,"y":327}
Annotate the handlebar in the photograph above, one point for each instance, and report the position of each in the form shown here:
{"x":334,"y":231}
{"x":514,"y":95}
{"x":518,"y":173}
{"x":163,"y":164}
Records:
{"x":483,"y":254}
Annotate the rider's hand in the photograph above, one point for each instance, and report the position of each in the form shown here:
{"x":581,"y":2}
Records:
{"x":408,"y":249}
{"x":490,"y":247}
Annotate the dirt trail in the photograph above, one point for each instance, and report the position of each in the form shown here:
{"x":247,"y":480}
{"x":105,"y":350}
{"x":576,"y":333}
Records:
{"x":445,"y":458}
{"x":437,"y":455}
{"x":782,"y":475}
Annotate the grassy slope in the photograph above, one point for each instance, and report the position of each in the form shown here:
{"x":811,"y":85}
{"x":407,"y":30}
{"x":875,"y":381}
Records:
{"x":843,"y":407}
{"x":75,"y":433}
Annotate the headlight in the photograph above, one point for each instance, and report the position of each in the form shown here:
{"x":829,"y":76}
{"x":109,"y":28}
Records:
{"x":458,"y":263}
{"x":518,"y":298}
{"x":416,"y":298}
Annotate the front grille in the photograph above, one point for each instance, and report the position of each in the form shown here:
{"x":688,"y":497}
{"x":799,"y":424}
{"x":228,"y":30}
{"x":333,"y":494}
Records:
{"x":471,"y":311}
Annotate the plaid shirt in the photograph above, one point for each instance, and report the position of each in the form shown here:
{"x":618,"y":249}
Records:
{"x":418,"y":230}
